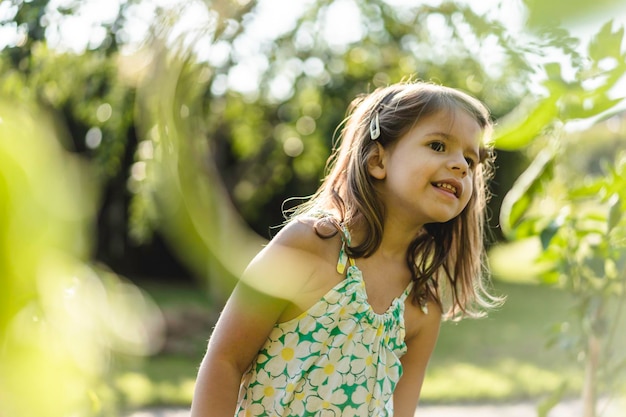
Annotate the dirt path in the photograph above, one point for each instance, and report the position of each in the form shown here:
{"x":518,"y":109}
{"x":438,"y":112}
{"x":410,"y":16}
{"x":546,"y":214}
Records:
{"x":528,"y":409}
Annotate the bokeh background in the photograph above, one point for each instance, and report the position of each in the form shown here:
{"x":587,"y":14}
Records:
{"x":147,"y":148}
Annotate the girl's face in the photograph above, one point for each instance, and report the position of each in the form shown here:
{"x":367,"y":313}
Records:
{"x":427,"y":175}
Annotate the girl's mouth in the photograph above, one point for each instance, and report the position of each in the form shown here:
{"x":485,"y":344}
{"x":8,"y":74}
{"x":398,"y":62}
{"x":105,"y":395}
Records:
{"x":446,"y":186}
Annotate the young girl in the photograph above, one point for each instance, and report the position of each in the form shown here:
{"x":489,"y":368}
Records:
{"x":339,"y":314}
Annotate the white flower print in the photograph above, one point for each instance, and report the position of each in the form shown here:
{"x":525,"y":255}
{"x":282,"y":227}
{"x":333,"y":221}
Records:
{"x":307,"y":324}
{"x":269,"y":391}
{"x":327,"y":402}
{"x":276,"y":334}
{"x":362,"y":358}
{"x":252,"y":410}
{"x":267,"y":385}
{"x":356,"y":410}
{"x":294,"y":399}
{"x":337,"y":359}
{"x":333,"y":298}
{"x":361,"y":395}
{"x":350,"y":379}
{"x":322,"y":338}
{"x":394,"y":372}
{"x":331,"y":366}
{"x":287,"y":355}
{"x":344,"y":338}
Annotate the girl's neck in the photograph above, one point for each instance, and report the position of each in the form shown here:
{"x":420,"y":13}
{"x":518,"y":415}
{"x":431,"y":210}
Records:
{"x":397,"y":237}
{"x":395,"y":240}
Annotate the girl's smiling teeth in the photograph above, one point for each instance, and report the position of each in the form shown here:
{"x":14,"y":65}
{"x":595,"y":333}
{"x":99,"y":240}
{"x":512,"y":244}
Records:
{"x":446,"y":186}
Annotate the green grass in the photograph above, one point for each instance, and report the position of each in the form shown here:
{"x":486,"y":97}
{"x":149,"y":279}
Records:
{"x":166,"y":378}
{"x":501,"y":358}
{"x":160,"y":380}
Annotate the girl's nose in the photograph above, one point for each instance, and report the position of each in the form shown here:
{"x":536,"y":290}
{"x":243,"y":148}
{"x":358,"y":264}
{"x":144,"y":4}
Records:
{"x":459,"y":165}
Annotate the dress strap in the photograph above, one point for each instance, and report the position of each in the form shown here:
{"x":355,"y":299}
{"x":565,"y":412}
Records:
{"x":343,"y":256}
{"x":407,"y":291}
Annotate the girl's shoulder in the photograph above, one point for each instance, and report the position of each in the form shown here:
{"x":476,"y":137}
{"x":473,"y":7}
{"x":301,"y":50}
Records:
{"x":421,"y":320}
{"x":304,"y":248}
{"x":309,"y":234}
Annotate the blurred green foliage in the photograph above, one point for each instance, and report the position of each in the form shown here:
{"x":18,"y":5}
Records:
{"x":542,"y":14}
{"x":62,"y":319}
{"x":280,"y":143}
{"x":572,"y":198}
{"x":266,"y":145}
{"x":585,"y":94}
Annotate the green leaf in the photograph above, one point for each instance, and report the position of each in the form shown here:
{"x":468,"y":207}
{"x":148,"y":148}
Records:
{"x":553,"y":254}
{"x":588,"y":189}
{"x":589,"y":107}
{"x":606,"y":43}
{"x":615,"y":212}
{"x":528,"y":227}
{"x":542,"y":13}
{"x":553,"y":71}
{"x":519,"y":198}
{"x":543,"y":409}
{"x":520,"y":132}
{"x":548,"y":233}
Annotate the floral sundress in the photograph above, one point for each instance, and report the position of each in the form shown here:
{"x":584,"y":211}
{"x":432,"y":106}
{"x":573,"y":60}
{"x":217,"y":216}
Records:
{"x":338,"y":358}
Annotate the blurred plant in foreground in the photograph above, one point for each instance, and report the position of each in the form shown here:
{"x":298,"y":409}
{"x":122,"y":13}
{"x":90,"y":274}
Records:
{"x":62,"y":320}
{"x":175,"y":184}
{"x":578,"y":216}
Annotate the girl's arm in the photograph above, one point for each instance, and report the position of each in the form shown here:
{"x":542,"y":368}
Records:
{"x":241,"y":330}
{"x":268,"y":286}
{"x":419,"y":349}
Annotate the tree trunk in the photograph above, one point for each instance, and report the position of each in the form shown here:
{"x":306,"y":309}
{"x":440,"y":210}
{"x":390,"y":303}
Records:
{"x":589,"y":394}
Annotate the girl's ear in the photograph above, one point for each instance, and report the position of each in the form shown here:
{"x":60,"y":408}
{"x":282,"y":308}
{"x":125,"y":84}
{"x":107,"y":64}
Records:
{"x":376,"y":164}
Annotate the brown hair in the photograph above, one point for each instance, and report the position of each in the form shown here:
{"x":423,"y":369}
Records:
{"x":453,"y":251}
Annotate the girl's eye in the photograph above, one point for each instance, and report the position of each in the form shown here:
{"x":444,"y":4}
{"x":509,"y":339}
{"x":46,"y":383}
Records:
{"x":437,"y":146}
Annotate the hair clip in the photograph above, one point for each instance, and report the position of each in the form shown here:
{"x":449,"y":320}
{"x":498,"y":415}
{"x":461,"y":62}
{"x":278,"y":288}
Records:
{"x":375,"y":127}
